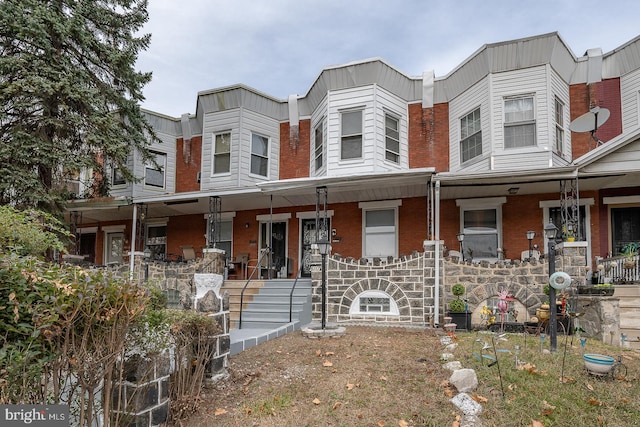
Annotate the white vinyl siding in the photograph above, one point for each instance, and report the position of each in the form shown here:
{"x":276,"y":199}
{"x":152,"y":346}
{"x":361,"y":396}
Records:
{"x":373,"y":103}
{"x":242,"y":124}
{"x":560,"y":92}
{"x":630,"y":99}
{"x":474,"y":98}
{"x":222,"y":153}
{"x":470,"y":136}
{"x":167,"y":151}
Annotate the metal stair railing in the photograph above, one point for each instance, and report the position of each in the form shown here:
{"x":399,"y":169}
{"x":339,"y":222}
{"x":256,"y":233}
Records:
{"x":263,"y":253}
{"x":293,"y":288}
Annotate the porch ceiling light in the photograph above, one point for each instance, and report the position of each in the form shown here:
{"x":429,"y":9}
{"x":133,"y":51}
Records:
{"x":513,"y":190}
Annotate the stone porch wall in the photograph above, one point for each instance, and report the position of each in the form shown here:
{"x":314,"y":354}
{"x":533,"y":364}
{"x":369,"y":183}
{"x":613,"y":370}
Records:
{"x":410,"y":281}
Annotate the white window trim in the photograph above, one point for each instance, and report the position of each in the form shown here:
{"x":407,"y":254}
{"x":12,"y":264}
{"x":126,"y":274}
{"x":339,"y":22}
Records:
{"x":556,"y":126}
{"x":355,"y":304}
{"x":360,"y":109}
{"x":268,"y":156}
{"x":386,"y":150}
{"x":475,"y":158}
{"x":481,"y":204}
{"x":279,"y":217}
{"x":163,"y":169}
{"x":322,"y":125}
{"x":586,"y":202}
{"x":213,"y":153}
{"x":312,"y":214}
{"x":113,"y":228}
{"x":505,"y":125}
{"x":380,"y":205}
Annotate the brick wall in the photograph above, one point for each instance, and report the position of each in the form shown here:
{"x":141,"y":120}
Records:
{"x":428,"y":142}
{"x":294,"y":154}
{"x":188,"y":157}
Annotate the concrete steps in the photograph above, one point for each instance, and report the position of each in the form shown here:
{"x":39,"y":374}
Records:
{"x":266,"y":303}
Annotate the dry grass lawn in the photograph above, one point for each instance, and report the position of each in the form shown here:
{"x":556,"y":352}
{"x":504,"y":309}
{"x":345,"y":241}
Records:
{"x":389,"y":376}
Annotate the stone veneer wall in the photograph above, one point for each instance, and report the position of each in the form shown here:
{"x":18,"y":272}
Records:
{"x":410,"y":281}
{"x":524,"y":280}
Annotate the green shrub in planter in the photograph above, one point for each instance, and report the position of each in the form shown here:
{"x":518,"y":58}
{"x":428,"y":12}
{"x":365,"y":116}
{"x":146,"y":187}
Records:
{"x":457,"y":306}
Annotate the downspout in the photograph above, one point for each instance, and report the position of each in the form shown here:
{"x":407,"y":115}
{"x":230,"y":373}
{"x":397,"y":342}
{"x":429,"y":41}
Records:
{"x":436,"y":238}
{"x":133,"y":241}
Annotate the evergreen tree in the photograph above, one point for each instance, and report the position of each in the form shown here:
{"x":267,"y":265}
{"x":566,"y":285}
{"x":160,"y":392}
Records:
{"x":69,"y":95}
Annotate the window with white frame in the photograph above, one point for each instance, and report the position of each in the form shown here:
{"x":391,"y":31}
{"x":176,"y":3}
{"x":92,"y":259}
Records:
{"x":259,"y":155}
{"x":223,"y":236}
{"x":116,"y":176}
{"x":380,"y":232}
{"x":481,"y":223}
{"x":559,"y":114}
{"x":470,"y":136}
{"x":154,"y":172}
{"x":392,"y":138}
{"x":222,"y":153}
{"x":374,"y":302}
{"x":351,"y":135}
{"x":519,"y":122}
{"x":319,"y":146}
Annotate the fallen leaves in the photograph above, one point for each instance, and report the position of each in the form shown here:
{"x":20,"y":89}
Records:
{"x":594,"y":402}
{"x":478,"y":398}
{"x":327,"y":364}
{"x":219,"y":411}
{"x":316,"y":401}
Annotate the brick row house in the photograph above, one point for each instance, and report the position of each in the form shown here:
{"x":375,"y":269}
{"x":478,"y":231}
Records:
{"x":391,"y":161}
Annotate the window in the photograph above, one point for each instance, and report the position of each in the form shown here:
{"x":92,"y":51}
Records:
{"x":224,"y":237}
{"x":481,"y":233}
{"x":117,"y":177}
{"x":625,"y":227}
{"x":319,"y":146}
{"x":157,"y":241}
{"x":154,"y":173}
{"x":380,"y":237}
{"x":519,"y":122}
{"x":351,"y":139}
{"x":559,"y":111}
{"x":222,"y":152}
{"x":392,"y":138}
{"x":470,"y":136}
{"x":259,"y":154}
{"x":374,"y":302}
{"x":481,"y":223}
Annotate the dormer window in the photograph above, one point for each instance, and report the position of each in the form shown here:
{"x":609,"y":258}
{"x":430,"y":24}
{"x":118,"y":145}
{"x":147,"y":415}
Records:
{"x":154,"y":172}
{"x":351,"y":138}
{"x":470,"y":136}
{"x":392,"y":138}
{"x":319,"y":146}
{"x":259,"y":155}
{"x":222,"y":152}
{"x":519,"y":122}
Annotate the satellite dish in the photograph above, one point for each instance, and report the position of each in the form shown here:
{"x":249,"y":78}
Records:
{"x":591,"y":120}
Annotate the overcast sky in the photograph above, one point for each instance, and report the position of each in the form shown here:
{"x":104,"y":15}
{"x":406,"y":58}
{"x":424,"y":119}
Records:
{"x":279,"y":47}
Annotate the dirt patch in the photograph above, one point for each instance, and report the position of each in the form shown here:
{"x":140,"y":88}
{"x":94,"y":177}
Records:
{"x":370,"y":376}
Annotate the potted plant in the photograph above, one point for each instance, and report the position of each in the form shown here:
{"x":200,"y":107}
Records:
{"x":630,"y":252}
{"x":458,"y":308}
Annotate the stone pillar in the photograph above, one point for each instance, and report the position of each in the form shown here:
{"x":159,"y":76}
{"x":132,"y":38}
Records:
{"x":143,"y":396}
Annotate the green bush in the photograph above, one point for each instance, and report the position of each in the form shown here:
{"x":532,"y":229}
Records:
{"x":30,"y":232}
{"x":458,"y":289}
{"x":457,"y":306}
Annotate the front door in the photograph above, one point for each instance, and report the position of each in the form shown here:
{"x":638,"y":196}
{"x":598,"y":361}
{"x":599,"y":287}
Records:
{"x":308,"y":238}
{"x":278,"y":244}
{"x":114,"y":246}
